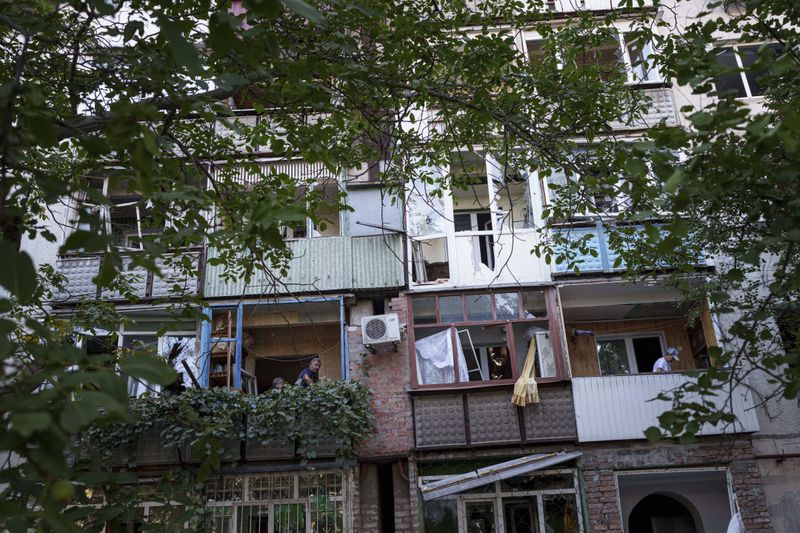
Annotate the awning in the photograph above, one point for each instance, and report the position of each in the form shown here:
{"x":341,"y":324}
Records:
{"x":490,"y":474}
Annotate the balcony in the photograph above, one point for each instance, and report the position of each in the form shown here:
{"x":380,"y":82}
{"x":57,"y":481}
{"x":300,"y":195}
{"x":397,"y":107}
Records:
{"x":322,"y":264}
{"x":80,"y":270}
{"x":619,"y":407}
{"x":595,"y":238}
{"x":476,"y":418}
{"x":661,"y":109}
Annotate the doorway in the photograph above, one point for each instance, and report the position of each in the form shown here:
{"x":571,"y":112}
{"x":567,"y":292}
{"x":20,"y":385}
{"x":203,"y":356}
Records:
{"x":659,"y":513}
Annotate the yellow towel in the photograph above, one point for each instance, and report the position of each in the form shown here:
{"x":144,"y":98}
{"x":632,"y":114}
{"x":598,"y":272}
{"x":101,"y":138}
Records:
{"x":525,"y":389}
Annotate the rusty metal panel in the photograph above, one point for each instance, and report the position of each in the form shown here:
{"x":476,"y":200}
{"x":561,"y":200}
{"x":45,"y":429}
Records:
{"x":439,"y":420}
{"x":553,"y":417}
{"x":620,"y":407}
{"x":377,"y":262}
{"x":79,"y":271}
{"x":492,"y":417}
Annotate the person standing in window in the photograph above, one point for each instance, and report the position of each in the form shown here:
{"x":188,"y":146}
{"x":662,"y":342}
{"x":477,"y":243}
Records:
{"x":309,"y":375}
{"x":664,"y":363}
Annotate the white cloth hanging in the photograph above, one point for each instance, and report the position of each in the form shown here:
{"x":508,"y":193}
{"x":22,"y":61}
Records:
{"x":435,"y":359}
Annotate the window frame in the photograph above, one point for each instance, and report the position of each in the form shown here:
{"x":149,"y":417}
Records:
{"x":742,"y":73}
{"x":552,"y":319}
{"x":629,"y":350}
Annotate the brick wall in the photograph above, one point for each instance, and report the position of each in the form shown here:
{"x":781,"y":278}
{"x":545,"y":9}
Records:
{"x":600,"y":462}
{"x":386,"y":372}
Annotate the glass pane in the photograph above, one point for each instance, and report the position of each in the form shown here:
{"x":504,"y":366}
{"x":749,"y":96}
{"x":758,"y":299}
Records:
{"x":533,"y":304}
{"x":749,"y":54}
{"x":427,"y":214}
{"x":480,"y":517}
{"x":425,"y":310}
{"x":139,"y":342}
{"x":533,"y":340}
{"x":290,"y":518}
{"x":730,"y":82}
{"x":613,"y":357}
{"x":440,"y":516}
{"x":486,"y":353}
{"x":450,"y":309}
{"x":538,"y":482}
{"x":639,"y":53}
{"x":224,"y":489}
{"x":521,"y":515}
{"x":514,"y":205}
{"x":605,"y":58}
{"x":253,"y":519}
{"x":507,"y":304}
{"x":479,"y":307}
{"x":434,"y":356}
{"x":179,"y":349}
{"x":560,"y":514}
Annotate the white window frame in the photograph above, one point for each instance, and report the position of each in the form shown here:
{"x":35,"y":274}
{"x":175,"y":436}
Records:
{"x":630,"y":352}
{"x":622,"y":45}
{"x":740,"y":65}
{"x":137,"y":387}
{"x":494,"y":493}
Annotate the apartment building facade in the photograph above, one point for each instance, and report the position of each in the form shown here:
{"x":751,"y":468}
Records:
{"x":477,"y":312}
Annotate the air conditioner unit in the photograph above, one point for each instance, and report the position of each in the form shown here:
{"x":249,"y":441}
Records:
{"x":378,"y":329}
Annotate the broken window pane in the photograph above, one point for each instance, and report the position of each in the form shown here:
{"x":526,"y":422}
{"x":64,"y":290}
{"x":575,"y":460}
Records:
{"x":486,"y":353}
{"x":514,"y":208}
{"x":639,"y":52}
{"x":441,"y":516}
{"x":533,"y":304}
{"x":533,"y":339}
{"x":507,"y":304}
{"x":430,"y":260}
{"x":560,"y":513}
{"x":471,"y":201}
{"x":427,"y":213}
{"x":476,"y":256}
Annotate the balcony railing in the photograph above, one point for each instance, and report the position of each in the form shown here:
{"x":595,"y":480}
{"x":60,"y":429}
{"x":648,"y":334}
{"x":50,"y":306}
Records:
{"x":620,"y":407}
{"x":476,"y":418}
{"x":80,"y":270}
{"x":322,"y":264}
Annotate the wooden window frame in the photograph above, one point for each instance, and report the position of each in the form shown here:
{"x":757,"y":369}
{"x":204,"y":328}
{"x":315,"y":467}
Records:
{"x":552,"y":319}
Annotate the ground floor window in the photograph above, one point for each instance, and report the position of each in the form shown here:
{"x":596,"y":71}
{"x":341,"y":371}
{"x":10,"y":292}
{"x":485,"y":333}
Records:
{"x":286,"y":502}
{"x":545,"y":502}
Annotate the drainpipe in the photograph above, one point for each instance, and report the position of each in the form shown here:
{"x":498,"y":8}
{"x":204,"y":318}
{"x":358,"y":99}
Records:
{"x":345,"y":349}
{"x":205,"y":347}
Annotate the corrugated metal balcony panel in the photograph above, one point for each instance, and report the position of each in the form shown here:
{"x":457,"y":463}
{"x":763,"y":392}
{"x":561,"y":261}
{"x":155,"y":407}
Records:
{"x":171,"y":276}
{"x":619,"y":407}
{"x":322,"y":264}
{"x":79,"y":271}
{"x":377,"y":262}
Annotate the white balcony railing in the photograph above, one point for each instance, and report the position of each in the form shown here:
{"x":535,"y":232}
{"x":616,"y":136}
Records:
{"x":619,"y":407}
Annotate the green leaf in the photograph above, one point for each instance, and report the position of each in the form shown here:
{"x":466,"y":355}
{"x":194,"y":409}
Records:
{"x":149,"y":368}
{"x":27,"y":423}
{"x":184,"y":52}
{"x":17,"y":274}
{"x":653,"y":434}
{"x":87,"y":407}
{"x":304,"y":9}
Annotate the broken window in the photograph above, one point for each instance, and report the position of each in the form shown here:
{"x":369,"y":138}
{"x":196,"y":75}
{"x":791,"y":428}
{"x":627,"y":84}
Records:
{"x":276,"y":341}
{"x":638,"y":56}
{"x":430,"y":260}
{"x":605,"y":57}
{"x":482,"y":325}
{"x":124,"y":214}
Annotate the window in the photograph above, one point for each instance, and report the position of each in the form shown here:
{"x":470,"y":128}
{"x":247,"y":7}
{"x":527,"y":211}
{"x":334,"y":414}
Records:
{"x":482,"y":337}
{"x":629,"y":354}
{"x":174,"y":346}
{"x":607,"y":197}
{"x":125,"y":215}
{"x":745,"y":82}
{"x":621,"y":55}
{"x":544,"y":501}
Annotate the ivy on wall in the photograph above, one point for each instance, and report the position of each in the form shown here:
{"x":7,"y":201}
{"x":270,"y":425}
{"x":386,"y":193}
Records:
{"x":202,"y":423}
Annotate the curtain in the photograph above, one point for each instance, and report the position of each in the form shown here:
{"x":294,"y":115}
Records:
{"x":435,"y":359}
